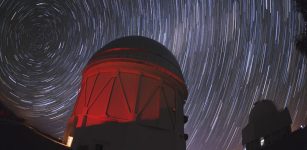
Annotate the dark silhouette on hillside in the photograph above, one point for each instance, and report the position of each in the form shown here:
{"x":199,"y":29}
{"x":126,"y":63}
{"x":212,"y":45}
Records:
{"x":7,"y":114}
{"x":15,"y":134}
{"x":270,"y":129}
{"x":301,"y":43}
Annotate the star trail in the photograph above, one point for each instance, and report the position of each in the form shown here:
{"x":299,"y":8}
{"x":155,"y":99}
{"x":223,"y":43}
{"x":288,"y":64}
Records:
{"x":232,"y":53}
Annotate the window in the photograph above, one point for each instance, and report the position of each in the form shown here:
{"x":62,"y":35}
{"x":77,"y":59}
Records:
{"x":99,"y":147}
{"x":261,"y":141}
{"x":69,"y":141}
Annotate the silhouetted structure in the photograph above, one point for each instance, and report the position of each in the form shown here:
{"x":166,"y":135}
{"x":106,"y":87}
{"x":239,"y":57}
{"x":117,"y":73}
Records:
{"x":16,"y":135}
{"x":132,"y":98}
{"x":270,"y":129}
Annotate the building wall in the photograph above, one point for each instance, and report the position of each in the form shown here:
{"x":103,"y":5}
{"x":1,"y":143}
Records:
{"x":130,"y":136}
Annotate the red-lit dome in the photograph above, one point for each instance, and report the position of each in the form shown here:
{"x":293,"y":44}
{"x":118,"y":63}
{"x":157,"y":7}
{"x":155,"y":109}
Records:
{"x":138,"y":48}
{"x":132,"y":80}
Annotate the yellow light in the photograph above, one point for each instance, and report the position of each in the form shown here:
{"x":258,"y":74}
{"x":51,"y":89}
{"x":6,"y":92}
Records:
{"x":69,"y":141}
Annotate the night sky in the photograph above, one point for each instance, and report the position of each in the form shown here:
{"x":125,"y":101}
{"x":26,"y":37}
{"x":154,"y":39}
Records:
{"x":232,"y":53}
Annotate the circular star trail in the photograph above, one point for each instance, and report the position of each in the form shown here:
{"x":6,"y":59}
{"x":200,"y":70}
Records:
{"x":232,"y":53}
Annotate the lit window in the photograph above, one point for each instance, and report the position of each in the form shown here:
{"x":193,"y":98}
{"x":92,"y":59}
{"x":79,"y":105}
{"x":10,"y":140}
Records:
{"x":69,"y":141}
{"x":261,"y":141}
